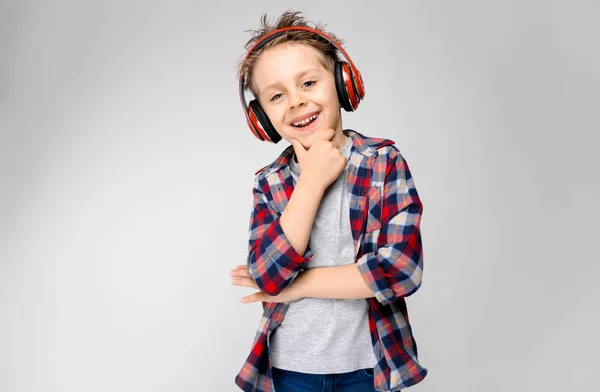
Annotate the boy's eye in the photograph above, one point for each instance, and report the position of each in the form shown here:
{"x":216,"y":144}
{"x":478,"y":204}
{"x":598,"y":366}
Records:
{"x":306,"y":84}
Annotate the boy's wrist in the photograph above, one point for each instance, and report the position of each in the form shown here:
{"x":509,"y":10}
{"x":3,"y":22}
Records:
{"x":297,"y":287}
{"x":307,"y":182}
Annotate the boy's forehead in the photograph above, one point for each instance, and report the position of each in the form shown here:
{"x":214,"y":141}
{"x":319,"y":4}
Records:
{"x":286,"y":61}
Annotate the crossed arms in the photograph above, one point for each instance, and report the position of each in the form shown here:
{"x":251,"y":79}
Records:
{"x":278,"y":252}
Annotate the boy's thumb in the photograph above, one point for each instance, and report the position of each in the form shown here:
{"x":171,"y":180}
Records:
{"x":298,"y":149}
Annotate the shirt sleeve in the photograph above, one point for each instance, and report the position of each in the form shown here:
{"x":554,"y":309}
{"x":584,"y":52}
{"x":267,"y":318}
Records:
{"x":395,"y":269}
{"x":272,"y":261}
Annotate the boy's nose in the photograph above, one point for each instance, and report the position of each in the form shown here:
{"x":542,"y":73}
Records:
{"x":296,"y":100}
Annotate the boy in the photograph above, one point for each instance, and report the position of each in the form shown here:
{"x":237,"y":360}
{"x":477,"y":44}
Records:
{"x":335,"y":243}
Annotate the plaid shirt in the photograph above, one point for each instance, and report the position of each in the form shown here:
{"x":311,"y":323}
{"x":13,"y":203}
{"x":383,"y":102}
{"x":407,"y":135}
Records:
{"x":385,"y":215}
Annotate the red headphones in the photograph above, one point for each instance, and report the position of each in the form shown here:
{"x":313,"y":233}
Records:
{"x":348,"y":84}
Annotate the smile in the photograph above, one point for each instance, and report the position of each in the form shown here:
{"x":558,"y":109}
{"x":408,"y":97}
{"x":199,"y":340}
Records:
{"x":306,"y":122}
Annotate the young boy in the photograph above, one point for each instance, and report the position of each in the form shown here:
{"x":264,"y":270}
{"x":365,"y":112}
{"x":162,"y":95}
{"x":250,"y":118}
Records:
{"x":335,"y":244}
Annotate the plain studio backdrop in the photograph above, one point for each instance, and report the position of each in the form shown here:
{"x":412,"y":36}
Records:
{"x":127,"y":167}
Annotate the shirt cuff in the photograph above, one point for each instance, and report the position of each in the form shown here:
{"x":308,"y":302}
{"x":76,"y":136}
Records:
{"x":369,"y":267}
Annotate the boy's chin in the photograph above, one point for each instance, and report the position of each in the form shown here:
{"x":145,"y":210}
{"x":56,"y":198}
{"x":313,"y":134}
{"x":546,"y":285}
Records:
{"x":301,"y":136}
{"x":306,"y":138}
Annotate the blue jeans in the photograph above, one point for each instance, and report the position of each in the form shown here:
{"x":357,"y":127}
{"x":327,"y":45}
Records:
{"x":360,"y":380}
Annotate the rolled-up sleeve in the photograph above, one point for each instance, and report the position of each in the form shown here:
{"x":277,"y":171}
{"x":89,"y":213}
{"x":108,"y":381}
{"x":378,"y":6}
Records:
{"x":395,"y":269}
{"x":272,"y":261}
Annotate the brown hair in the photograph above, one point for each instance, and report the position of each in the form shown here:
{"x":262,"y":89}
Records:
{"x":328,"y":51}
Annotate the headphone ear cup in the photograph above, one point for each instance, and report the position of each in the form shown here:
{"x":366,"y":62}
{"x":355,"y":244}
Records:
{"x":261,"y":122}
{"x":340,"y":86}
{"x":345,"y":86}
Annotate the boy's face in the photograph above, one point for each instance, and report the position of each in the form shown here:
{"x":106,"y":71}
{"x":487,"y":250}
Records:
{"x":293,"y":85}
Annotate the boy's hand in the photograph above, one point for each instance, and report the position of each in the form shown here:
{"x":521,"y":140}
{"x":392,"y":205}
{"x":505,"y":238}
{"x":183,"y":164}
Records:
{"x":323,"y":162}
{"x":241,"y":277}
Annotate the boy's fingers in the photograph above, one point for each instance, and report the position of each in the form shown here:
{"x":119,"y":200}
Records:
{"x":241,"y":272}
{"x":244,"y":282}
{"x":256,"y":297}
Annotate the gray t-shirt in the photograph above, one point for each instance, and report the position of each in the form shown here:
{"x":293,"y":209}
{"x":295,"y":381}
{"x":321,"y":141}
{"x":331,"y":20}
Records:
{"x":322,"y":335}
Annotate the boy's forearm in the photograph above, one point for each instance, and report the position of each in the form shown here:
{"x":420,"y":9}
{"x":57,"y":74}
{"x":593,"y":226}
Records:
{"x":341,"y":282}
{"x":299,"y":215}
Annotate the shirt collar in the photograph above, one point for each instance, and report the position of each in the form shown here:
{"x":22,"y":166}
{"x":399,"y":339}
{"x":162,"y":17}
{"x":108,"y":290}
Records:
{"x":366,"y":146}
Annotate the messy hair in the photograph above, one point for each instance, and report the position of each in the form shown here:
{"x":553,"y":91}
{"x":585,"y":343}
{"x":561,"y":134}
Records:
{"x":328,"y":52}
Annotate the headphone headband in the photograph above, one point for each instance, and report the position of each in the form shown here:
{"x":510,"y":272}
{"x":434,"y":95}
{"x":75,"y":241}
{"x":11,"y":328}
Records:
{"x":276,"y":33}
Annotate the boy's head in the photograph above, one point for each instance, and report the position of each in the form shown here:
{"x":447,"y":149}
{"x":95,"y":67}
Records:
{"x":293,"y":79}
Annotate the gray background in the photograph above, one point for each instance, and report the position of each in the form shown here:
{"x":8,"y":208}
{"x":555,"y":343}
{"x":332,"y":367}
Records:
{"x":126,"y":173}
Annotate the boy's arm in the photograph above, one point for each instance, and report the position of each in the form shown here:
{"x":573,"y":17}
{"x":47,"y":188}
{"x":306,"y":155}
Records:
{"x":299,"y":214}
{"x":277,"y":245}
{"x":395,"y":269}
{"x":340,"y":282}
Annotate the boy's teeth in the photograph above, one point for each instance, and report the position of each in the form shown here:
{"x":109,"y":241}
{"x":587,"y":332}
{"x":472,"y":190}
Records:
{"x":304,"y":122}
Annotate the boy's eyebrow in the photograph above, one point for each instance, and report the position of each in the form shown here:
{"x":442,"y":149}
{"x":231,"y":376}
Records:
{"x":298,"y":75}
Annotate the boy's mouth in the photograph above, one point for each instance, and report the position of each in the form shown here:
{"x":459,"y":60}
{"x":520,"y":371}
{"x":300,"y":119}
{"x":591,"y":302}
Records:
{"x":306,"y":121}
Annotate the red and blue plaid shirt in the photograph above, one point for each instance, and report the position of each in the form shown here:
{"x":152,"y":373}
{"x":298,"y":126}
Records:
{"x":385,"y":215}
